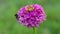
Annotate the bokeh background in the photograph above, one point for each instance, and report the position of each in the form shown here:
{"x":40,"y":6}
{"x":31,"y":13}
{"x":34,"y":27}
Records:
{"x":9,"y":24}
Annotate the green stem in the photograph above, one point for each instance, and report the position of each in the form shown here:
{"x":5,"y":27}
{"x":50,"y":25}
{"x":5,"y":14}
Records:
{"x":34,"y":29}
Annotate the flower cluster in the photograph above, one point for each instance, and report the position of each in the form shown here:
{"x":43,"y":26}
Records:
{"x":31,"y":15}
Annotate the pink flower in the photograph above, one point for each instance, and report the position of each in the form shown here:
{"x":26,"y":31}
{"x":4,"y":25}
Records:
{"x":31,"y":15}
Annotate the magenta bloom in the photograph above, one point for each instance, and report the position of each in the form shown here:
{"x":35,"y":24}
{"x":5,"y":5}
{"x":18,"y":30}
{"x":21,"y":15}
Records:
{"x":31,"y":15}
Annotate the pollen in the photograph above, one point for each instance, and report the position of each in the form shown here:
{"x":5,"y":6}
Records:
{"x":29,"y":8}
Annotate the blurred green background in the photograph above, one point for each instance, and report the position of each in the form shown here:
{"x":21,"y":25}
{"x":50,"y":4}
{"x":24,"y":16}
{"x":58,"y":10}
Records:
{"x":9,"y":24}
